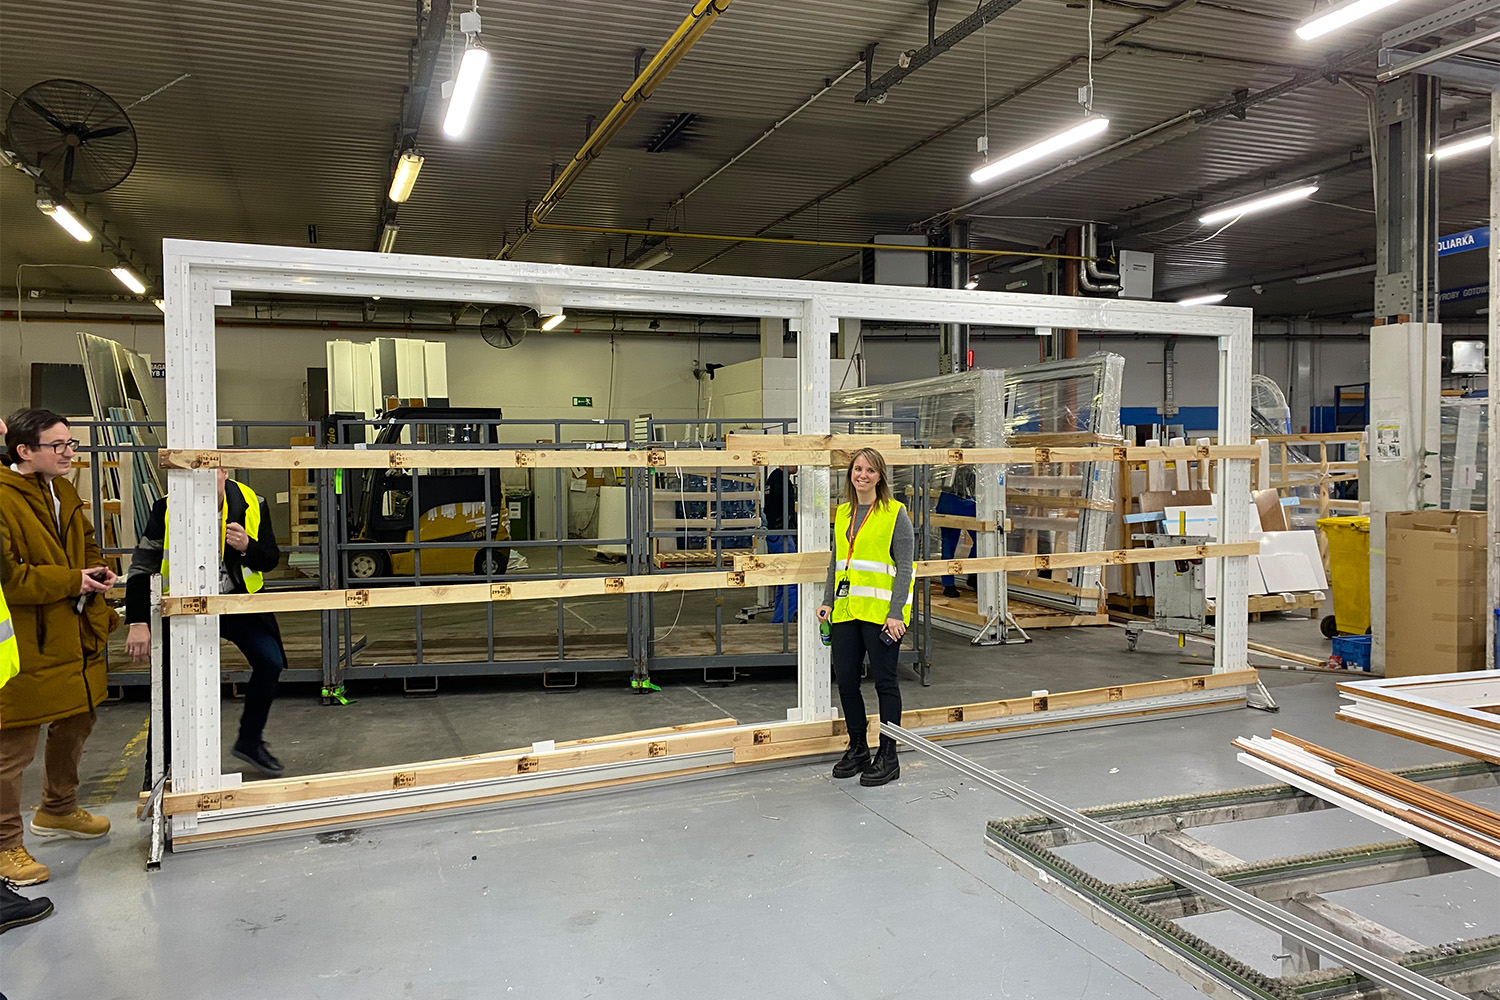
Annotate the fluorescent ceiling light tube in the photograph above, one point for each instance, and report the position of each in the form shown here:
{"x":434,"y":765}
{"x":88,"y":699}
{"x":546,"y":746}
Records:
{"x":554,"y":321}
{"x":405,"y":177}
{"x":1347,"y":14}
{"x":388,"y":237}
{"x":1465,"y":145}
{"x":1260,"y":204}
{"x":66,"y":219}
{"x":465,"y":90}
{"x":657,"y":256}
{"x":1346,"y":272}
{"x":1036,"y":262}
{"x":1062,"y":140}
{"x":128,"y":279}
{"x":1204,"y":300}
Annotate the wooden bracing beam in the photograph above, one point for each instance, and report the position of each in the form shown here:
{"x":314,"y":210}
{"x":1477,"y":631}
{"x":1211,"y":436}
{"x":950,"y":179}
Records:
{"x":535,"y":458}
{"x":773,"y":741}
{"x":771,"y":571}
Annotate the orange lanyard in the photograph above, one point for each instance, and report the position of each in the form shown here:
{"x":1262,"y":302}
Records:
{"x":854,"y":531}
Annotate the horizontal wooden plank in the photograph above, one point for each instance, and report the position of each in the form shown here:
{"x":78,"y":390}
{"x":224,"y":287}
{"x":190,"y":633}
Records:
{"x":962,"y":523}
{"x":757,"y":742}
{"x":497,"y":458}
{"x":1037,"y":502}
{"x":1069,"y":560}
{"x":798,"y":568}
{"x":811,"y":442}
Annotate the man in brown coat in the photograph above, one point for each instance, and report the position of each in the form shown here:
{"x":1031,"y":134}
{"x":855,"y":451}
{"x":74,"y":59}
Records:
{"x":55,"y":593}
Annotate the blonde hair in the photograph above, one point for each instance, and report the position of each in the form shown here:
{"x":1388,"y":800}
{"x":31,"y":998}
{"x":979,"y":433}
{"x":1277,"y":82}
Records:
{"x":882,"y":489}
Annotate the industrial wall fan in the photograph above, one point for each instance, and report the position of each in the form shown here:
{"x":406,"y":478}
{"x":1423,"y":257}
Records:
{"x":1269,"y":413}
{"x":75,"y":134}
{"x":506,"y":326}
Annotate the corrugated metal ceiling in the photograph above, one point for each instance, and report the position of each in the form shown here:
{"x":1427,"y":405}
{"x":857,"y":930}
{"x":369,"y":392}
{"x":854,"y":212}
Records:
{"x":287,"y":121}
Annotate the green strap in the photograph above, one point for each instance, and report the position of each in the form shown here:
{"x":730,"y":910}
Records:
{"x":338,"y":695}
{"x":642,"y":684}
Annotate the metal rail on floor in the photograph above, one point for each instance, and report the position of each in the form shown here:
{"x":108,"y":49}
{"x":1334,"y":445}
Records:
{"x":1377,"y":968}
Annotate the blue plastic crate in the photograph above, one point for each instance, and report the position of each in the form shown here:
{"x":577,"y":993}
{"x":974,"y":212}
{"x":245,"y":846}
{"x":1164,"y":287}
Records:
{"x":1353,"y":651}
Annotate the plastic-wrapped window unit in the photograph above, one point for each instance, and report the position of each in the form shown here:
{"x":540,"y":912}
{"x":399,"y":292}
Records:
{"x":964,"y":410}
{"x":1463,"y":454}
{"x":1062,"y":507}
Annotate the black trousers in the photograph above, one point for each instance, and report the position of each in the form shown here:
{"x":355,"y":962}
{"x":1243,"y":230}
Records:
{"x":258,"y":637}
{"x":852,"y":642}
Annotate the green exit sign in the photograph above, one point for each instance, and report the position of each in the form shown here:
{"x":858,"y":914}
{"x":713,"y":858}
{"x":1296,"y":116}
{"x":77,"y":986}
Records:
{"x":583,"y":400}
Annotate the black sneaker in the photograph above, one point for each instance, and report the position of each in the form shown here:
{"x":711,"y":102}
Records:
{"x":260,"y":758}
{"x":16,"y":909}
{"x":950,"y":592}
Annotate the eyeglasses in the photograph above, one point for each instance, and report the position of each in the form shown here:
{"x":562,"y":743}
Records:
{"x":58,"y":447}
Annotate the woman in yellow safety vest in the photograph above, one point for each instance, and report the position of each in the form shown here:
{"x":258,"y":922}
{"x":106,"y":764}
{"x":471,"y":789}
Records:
{"x":867,"y":603}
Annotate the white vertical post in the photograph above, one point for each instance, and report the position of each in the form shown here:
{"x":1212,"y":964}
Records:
{"x":192,"y":422}
{"x":1232,"y":607}
{"x":1492,"y":477}
{"x":772,"y":333}
{"x":815,"y":329}
{"x":1405,"y":374}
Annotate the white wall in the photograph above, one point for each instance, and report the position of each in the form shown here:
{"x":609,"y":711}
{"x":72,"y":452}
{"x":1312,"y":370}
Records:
{"x":262,"y":370}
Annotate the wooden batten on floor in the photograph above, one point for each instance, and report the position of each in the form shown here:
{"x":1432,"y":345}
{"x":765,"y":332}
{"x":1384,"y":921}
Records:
{"x":784,"y":740}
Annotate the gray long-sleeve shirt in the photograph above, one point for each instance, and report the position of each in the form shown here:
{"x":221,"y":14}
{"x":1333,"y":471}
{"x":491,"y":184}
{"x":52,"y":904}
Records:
{"x":903,"y":551}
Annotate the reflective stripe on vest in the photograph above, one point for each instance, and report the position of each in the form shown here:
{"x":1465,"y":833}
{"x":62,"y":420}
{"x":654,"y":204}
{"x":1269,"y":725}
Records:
{"x":10,"y":653}
{"x":870,"y":572}
{"x":254,"y":580}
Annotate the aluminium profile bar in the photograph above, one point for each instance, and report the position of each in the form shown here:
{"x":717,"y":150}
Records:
{"x":1378,"y":969}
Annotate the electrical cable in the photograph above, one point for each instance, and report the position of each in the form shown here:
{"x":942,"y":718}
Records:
{"x":1225,"y":226}
{"x":1088,"y":105}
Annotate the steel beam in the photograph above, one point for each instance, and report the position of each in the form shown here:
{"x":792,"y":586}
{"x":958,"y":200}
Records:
{"x":974,"y":21}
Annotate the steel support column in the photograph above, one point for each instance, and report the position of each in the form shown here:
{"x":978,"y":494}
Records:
{"x":953,"y":338}
{"x":1406,"y":343}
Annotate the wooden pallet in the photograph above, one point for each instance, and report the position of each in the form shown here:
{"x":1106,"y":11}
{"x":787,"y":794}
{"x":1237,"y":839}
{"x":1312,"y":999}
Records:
{"x":698,"y":557}
{"x":965,"y":609}
{"x":302,"y":512}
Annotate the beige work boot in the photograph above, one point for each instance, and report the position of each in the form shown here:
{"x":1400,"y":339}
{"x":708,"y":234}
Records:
{"x":78,"y":824}
{"x":18,"y":867}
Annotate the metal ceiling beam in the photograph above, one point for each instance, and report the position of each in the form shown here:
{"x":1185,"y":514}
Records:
{"x":935,"y":47}
{"x":1103,"y":51}
{"x":431,"y":29}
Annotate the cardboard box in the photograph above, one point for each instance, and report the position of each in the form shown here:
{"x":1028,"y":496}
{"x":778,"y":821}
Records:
{"x":1434,"y":592}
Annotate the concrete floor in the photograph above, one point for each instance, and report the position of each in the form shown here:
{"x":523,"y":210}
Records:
{"x":776,"y":882}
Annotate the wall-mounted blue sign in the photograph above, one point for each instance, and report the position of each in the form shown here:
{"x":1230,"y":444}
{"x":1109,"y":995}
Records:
{"x":1469,"y":239}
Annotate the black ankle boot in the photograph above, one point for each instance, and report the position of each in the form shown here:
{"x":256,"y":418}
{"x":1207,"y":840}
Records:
{"x":856,"y":759}
{"x":884,"y":767}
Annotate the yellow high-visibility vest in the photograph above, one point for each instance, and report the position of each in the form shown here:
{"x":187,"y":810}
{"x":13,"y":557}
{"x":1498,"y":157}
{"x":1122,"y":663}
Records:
{"x":254,"y":580}
{"x":868,"y":568}
{"x":10,"y":653}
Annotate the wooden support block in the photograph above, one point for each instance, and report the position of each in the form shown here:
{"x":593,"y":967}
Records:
{"x":962,"y":523}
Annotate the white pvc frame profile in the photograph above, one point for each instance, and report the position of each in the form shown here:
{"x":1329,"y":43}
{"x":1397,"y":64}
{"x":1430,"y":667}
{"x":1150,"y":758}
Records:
{"x":201,"y":275}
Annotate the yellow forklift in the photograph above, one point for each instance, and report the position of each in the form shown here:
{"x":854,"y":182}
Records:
{"x":397,"y":506}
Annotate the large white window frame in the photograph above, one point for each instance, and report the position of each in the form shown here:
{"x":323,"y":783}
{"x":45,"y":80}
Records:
{"x":201,"y":275}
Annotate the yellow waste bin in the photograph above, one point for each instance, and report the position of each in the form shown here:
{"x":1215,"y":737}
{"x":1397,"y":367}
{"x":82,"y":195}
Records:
{"x":1348,"y":574}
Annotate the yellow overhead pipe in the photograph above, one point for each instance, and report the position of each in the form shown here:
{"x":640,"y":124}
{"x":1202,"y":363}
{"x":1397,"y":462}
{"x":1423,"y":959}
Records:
{"x":691,"y":29}
{"x":790,"y":241}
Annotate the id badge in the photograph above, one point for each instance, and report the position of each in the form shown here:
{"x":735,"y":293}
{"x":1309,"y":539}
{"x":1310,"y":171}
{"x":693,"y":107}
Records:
{"x":842,"y":590}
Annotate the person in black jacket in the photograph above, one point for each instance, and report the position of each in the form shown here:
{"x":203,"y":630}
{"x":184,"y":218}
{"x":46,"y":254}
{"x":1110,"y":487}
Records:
{"x":781,"y":515}
{"x":249,"y":550}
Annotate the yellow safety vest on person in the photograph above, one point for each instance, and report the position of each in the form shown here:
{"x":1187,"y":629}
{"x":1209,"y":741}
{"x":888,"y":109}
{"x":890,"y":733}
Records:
{"x":10,"y":653}
{"x":254,"y":581}
{"x":868,"y":568}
